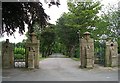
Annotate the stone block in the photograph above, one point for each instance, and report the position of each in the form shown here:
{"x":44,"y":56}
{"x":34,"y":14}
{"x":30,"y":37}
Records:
{"x":7,"y":55}
{"x":111,"y":54}
{"x":35,"y":45}
{"x":87,"y":51}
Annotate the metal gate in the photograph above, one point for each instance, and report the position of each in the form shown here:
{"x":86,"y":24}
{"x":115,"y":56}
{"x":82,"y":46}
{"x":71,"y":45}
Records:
{"x":19,"y":63}
{"x":19,"y":57}
{"x":100,"y":52}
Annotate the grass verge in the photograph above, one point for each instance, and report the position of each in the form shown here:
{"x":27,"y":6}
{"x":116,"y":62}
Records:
{"x":76,"y":59}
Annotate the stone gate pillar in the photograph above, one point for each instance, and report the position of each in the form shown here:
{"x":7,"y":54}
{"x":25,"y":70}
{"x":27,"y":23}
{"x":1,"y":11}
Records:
{"x":31,"y":57}
{"x":87,"y":51}
{"x":7,"y":55}
{"x":32,"y":52}
{"x":36,"y":48}
{"x":111,"y":54}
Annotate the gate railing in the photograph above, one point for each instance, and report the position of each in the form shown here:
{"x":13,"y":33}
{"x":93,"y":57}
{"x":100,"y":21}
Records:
{"x":100,"y":53}
{"x":19,"y":57}
{"x":19,"y":63}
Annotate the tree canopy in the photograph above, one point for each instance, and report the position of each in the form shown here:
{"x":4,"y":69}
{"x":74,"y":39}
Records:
{"x":82,"y":16}
{"x":17,"y":14}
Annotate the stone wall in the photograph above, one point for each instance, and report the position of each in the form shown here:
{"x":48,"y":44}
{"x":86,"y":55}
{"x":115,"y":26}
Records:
{"x":7,"y":55}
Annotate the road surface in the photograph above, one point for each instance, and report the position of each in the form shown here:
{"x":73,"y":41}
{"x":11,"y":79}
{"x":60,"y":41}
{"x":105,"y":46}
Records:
{"x":61,"y":69}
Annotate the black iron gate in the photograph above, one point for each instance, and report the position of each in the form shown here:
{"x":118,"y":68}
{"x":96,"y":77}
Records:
{"x":19,"y":57}
{"x":100,"y":52}
{"x":19,"y":63}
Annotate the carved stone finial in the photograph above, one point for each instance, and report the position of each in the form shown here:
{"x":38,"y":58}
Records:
{"x":86,"y":33}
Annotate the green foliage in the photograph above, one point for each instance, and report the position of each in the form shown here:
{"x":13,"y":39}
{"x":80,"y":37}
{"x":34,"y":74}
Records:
{"x":81,"y":16}
{"x":19,"y":56}
{"x":20,"y":45}
{"x":108,"y":24}
{"x":77,"y":52}
{"x":118,"y":45}
{"x":46,"y":36}
{"x":17,"y":14}
{"x":100,"y":29}
{"x":64,"y":36}
{"x":19,"y":53}
{"x":47,"y":39}
{"x":76,"y":59}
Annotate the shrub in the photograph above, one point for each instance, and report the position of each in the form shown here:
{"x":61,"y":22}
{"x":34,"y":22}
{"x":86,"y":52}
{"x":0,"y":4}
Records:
{"x":77,"y":52}
{"x":19,"y":53}
{"x":19,"y":56}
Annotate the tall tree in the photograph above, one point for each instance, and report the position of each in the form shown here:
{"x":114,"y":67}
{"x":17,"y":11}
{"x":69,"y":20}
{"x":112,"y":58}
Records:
{"x":46,"y":37}
{"x":47,"y":42}
{"x":67,"y":34}
{"x":17,"y":14}
{"x":81,"y":16}
{"x":111,"y":16}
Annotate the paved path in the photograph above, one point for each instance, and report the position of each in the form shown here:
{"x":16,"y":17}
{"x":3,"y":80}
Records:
{"x":61,"y":69}
{"x":56,"y":55}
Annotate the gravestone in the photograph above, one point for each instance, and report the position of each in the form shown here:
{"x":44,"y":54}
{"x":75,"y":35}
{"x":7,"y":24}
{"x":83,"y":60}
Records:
{"x":111,"y":54}
{"x":32,"y":52}
{"x":87,"y":51}
{"x":7,"y":55}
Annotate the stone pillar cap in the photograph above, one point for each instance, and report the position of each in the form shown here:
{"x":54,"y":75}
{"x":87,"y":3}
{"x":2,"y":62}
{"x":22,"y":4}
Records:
{"x":7,"y":40}
{"x":87,"y":33}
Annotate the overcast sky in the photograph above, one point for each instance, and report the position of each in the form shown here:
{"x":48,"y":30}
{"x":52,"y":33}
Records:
{"x":54,"y":12}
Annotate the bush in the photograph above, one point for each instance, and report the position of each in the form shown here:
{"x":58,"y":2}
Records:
{"x":77,"y":53}
{"x":19,"y":53}
{"x":19,"y":56}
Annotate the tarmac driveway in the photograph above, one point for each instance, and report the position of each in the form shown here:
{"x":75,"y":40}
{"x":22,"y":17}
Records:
{"x":61,"y":69}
